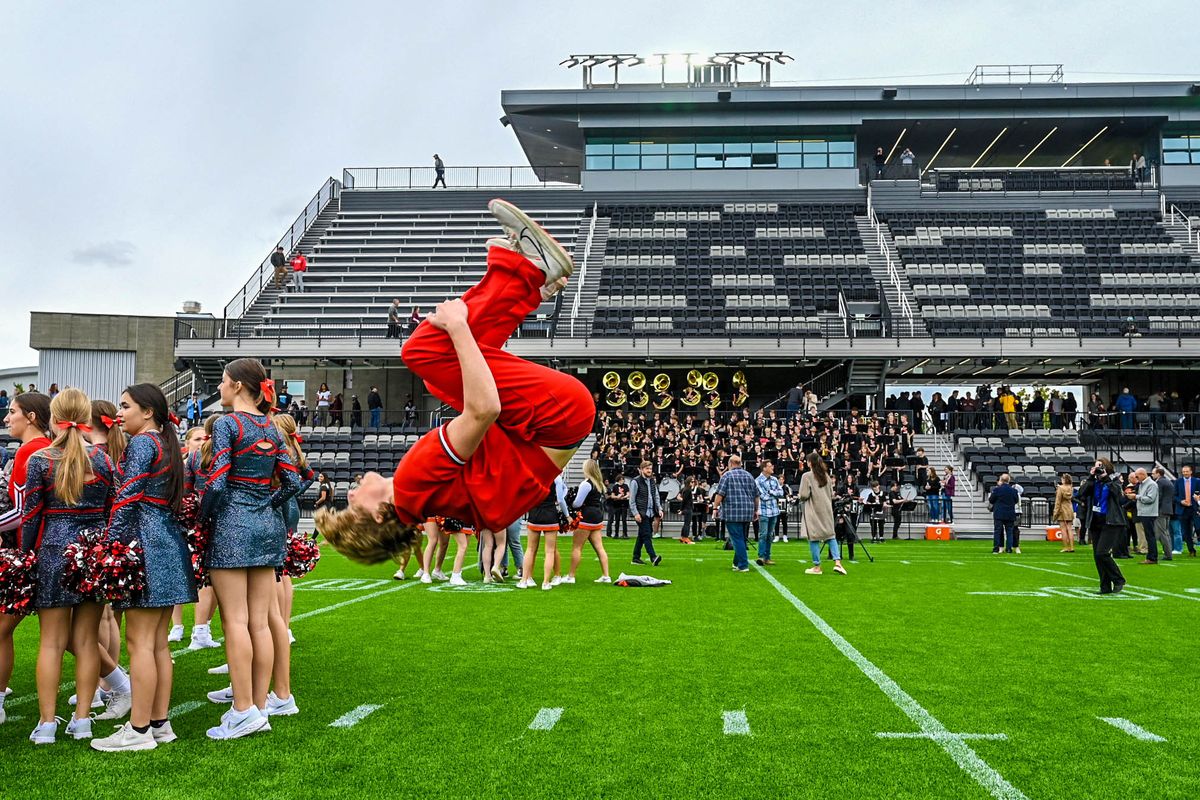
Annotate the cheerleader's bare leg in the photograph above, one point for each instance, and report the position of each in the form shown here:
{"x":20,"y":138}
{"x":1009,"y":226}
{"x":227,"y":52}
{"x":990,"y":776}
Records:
{"x":85,"y":626}
{"x":55,"y":633}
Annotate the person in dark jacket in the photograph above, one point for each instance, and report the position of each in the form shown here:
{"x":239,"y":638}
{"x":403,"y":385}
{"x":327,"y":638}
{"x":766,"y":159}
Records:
{"x":375,"y":405}
{"x":1003,"y":500}
{"x":1101,"y":492}
{"x":279,"y":262}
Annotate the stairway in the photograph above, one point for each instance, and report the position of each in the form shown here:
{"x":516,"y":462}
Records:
{"x":573,"y":473}
{"x":971,"y":516}
{"x":877,"y":245}
{"x":1179,"y":235}
{"x":269,"y":294}
{"x":589,"y":267}
{"x":866,"y":376}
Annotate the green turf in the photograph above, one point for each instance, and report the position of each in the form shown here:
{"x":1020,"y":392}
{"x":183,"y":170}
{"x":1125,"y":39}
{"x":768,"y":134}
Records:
{"x":644,"y":675}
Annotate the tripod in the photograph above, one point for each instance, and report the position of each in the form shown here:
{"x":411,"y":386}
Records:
{"x":847,"y":523}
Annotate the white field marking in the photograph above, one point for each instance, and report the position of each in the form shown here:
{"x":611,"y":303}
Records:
{"x":1163,"y":592}
{"x":1012,"y":594}
{"x":354,"y":716}
{"x":1193,"y":591}
{"x":958,"y":563}
{"x":954,"y":746}
{"x":184,"y":708}
{"x":340,"y":584}
{"x":736,"y":723}
{"x":546,"y":719}
{"x":906,"y":563}
{"x":1136,"y":731}
{"x":25,"y":698}
{"x":991,"y":737}
{"x":1075,"y":593}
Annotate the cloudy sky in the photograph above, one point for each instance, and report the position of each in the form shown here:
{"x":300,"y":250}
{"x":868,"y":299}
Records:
{"x":152,"y":153}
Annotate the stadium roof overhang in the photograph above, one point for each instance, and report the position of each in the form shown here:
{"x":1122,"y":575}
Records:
{"x":551,"y":124}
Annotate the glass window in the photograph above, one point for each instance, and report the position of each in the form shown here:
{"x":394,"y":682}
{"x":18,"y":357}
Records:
{"x":737,"y":162}
{"x":681,"y":148}
{"x":654,"y":162}
{"x":710,"y":148}
{"x":1178,"y":143}
{"x":710,"y":162}
{"x":763,"y":160}
{"x":763,"y":147}
{"x":841,"y":159}
{"x":627,"y":149}
{"x":626,"y":162}
{"x":814,"y":161}
{"x":599,"y":162}
{"x":737,"y":148}
{"x":788,"y":146}
{"x":816,"y":146}
{"x":598,"y":149}
{"x":681,"y":162}
{"x":790,"y":161}
{"x":1170,"y":157}
{"x":843,"y":146}
{"x":654,"y":149}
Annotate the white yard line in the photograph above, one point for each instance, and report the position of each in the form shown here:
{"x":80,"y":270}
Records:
{"x":546,"y":719}
{"x":184,"y":708}
{"x":354,"y":716}
{"x":954,"y":746}
{"x":1136,"y":731}
{"x":991,"y":737}
{"x":1163,"y":592}
{"x":735,"y":723}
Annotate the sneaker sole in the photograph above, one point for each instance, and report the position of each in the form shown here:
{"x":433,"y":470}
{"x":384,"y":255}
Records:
{"x":165,"y":739}
{"x":109,"y":749}
{"x":289,"y":712}
{"x":562,"y":260}
{"x":262,"y":724}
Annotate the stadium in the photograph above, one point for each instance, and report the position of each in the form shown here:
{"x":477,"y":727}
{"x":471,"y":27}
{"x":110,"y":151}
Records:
{"x":996,"y":276}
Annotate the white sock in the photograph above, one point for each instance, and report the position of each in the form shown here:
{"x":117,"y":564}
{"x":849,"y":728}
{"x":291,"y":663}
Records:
{"x":118,"y":681}
{"x":198,"y":630}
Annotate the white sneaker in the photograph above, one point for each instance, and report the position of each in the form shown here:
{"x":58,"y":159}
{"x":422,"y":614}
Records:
{"x":80,"y":728}
{"x":419,"y":574}
{"x":775,"y":540}
{"x":221,"y":670}
{"x":426,"y":577}
{"x":118,"y":706}
{"x":281,"y":708}
{"x":603,"y":579}
{"x":457,"y":579}
{"x":97,"y":699}
{"x":785,"y":540}
{"x":556,"y":580}
{"x":524,"y":584}
{"x":547,"y":587}
{"x":1176,"y":552}
{"x":163,"y":735}
{"x":126,"y":738}
{"x":45,"y":731}
{"x":1017,"y":550}
{"x":176,"y":634}
{"x":291,"y":637}
{"x":221,"y":696}
{"x":202,"y":638}
{"x":569,"y":580}
{"x":236,"y":724}
{"x":533,"y":241}
{"x":438,"y":575}
{"x":398,"y":575}
{"x":497,"y":575}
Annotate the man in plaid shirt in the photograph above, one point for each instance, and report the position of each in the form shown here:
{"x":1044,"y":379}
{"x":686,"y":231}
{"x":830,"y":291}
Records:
{"x":736,"y":501}
{"x":770,"y":492}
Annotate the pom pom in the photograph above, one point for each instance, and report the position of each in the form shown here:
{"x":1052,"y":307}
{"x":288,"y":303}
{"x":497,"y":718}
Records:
{"x":189,"y":511}
{"x":119,"y":573}
{"x":576,"y":518}
{"x":81,"y":555}
{"x":449,"y":524}
{"x":197,"y":541}
{"x":302,"y":555}
{"x":18,"y":581}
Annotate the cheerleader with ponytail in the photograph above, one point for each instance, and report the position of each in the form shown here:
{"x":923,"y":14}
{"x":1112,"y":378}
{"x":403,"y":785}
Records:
{"x":589,"y":505}
{"x":545,"y":519}
{"x":144,"y":511}
{"x":192,"y":439}
{"x":248,"y":537}
{"x":28,"y":420}
{"x":195,"y":470}
{"x":68,"y":490}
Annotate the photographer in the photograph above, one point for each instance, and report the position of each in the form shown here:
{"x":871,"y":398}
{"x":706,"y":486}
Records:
{"x":873,"y":503}
{"x":1102,"y":493}
{"x":846,"y":514}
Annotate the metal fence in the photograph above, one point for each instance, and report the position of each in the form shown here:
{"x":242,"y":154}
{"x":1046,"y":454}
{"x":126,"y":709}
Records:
{"x":557,"y":177}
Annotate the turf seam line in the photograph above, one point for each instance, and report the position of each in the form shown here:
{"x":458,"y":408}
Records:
{"x":355,"y":716}
{"x":1163,"y":592}
{"x":735,"y":723}
{"x":954,"y":746}
{"x":546,"y":719}
{"x":1133,"y":729}
{"x":184,"y":708}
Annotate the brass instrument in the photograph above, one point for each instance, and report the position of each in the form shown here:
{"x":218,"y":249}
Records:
{"x":616,"y":398}
{"x":713,"y":400}
{"x":690,"y":396}
{"x":661,"y":382}
{"x":694,"y":378}
{"x":638,"y":398}
{"x":663,"y":401}
{"x":637,"y":380}
{"x":611,"y":380}
{"x":711,"y":380}
{"x":741,"y":396}
{"x":739,"y":379}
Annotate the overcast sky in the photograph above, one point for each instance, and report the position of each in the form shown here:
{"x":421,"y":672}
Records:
{"x":152,"y":153}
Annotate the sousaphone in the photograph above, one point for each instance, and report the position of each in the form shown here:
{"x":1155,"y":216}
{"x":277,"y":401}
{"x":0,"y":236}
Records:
{"x":663,"y":401}
{"x":690,"y":396}
{"x":661,"y":382}
{"x":711,"y":381}
{"x":637,"y":380}
{"x":638,"y":398}
{"x":611,"y":380}
{"x":695,"y":378}
{"x":616,"y":398}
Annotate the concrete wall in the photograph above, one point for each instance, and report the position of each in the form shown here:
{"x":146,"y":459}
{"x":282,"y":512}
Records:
{"x":151,"y":339}
{"x":718,"y":179}
{"x":1180,"y":174}
{"x":394,"y":384}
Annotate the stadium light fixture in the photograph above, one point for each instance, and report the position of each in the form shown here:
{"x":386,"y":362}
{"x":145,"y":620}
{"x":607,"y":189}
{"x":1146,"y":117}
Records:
{"x":989,"y":147}
{"x":1099,"y":133}
{"x":939,"y":150}
{"x":980,"y":371}
{"x":1054,"y":371}
{"x":1036,"y":146}
{"x":918,"y":365}
{"x":943,"y":372}
{"x":895,"y":144}
{"x":1017,"y":371}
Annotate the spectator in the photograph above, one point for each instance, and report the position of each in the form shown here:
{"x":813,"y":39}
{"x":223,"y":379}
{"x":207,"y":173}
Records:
{"x":324,"y":492}
{"x":283,"y":400}
{"x":53,"y":391}
{"x":279,"y":262}
{"x":393,"y":320}
{"x":1096,"y":411}
{"x":414,"y":320}
{"x":4,"y":401}
{"x":193,"y":410}
{"x":1126,"y":404}
{"x":410,"y":414}
{"x":1070,"y":408}
{"x":335,"y":410}
{"x":1003,"y":501}
{"x":736,"y":501}
{"x":1036,"y":411}
{"x":355,"y":412}
{"x":949,"y":483}
{"x":953,"y":407}
{"x":770,"y":493}
{"x":302,"y":410}
{"x":880,"y":162}
{"x":816,"y":492}
{"x":795,"y":396}
{"x":375,"y":405}
{"x":1054,"y":406}
{"x":323,"y":399}
{"x":618,"y":509}
{"x":1064,"y":511}
{"x":1187,"y":488}
{"x":1166,"y":510}
{"x":646,"y":507}
{"x":1008,"y":407}
{"x":918,"y":408}
{"x":932,"y":487}
{"x":908,"y":163}
{"x":1146,"y":513}
{"x":299,"y":267}
{"x":811,"y":403}
{"x":439,"y":169}
{"x":938,"y":412}
{"x":1102,"y":492}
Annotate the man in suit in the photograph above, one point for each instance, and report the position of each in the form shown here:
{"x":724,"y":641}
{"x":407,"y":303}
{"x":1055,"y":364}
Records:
{"x":1187,"y":490}
{"x":1003,"y":500}
{"x":1166,"y":510}
{"x":646,"y":507}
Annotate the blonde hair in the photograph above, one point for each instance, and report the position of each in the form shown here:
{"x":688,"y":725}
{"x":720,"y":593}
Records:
{"x":116,"y":436}
{"x":359,"y":536}
{"x":69,"y":447}
{"x":206,"y":449}
{"x":187,"y":437}
{"x":591,"y":471}
{"x":286,"y":425}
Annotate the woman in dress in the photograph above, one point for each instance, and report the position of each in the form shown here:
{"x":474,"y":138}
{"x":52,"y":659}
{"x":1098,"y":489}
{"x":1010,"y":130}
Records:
{"x":589,"y":502}
{"x":1064,"y":511}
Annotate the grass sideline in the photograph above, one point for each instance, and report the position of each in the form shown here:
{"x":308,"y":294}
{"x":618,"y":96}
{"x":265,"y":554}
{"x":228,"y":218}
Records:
{"x":645,"y":679}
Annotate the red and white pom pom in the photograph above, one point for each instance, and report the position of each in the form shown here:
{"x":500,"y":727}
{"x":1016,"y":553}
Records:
{"x":197,"y":542}
{"x":81,"y":555}
{"x":18,"y":581}
{"x":576,"y":518}
{"x":302,"y":555}
{"x":119,"y":574}
{"x":189,"y":511}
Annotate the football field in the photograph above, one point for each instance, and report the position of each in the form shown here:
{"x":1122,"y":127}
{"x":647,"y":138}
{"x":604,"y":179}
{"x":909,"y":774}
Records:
{"x":939,"y":670}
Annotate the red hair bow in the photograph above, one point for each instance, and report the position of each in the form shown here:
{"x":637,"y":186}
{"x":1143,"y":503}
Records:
{"x":297,"y":438}
{"x":174,"y":420}
{"x":108,"y":421}
{"x":79,"y":425}
{"x":267,"y":388}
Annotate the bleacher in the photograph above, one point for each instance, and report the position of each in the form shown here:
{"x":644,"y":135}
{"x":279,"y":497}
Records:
{"x":748,"y":269}
{"x":1034,"y":458}
{"x":1059,"y":272}
{"x":367,"y":258}
{"x":342,"y":452}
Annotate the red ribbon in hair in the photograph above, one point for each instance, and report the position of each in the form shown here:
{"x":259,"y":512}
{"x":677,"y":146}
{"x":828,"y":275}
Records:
{"x":108,"y":421}
{"x":267,"y":388}
{"x":79,"y":425}
{"x":297,"y":438}
{"x":174,"y":420}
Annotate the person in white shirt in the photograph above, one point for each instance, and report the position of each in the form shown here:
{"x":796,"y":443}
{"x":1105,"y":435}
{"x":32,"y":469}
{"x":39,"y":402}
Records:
{"x":589,"y":505}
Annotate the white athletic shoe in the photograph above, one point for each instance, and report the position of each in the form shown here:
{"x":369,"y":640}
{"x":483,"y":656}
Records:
{"x":97,"y":699}
{"x":236,"y":724}
{"x":603,"y":579}
{"x":3,"y":714}
{"x":221,"y":670}
{"x":118,"y":706}
{"x":281,"y":708}
{"x":176,"y":634}
{"x":497,"y":575}
{"x":547,"y":587}
{"x":533,"y":241}
{"x":126,"y":738}
{"x":221,"y":696}
{"x":556,"y":580}
{"x":785,"y":540}
{"x":420,"y":573}
{"x":45,"y":732}
{"x":398,"y":575}
{"x":426,"y":577}
{"x":524,"y":584}
{"x":291,"y":637}
{"x":80,"y":728}
{"x":457,"y":579}
{"x":569,"y":580}
{"x":202,"y":638}
{"x":438,"y":575}
{"x":163,"y":735}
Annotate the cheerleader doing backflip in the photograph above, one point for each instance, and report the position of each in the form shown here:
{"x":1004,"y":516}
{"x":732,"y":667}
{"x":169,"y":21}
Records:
{"x":519,"y":422}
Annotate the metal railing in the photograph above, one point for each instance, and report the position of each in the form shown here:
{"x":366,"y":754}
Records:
{"x":906,"y":311}
{"x":1015,"y":74}
{"x":179,"y":387}
{"x":498,"y":177}
{"x":246,"y":296}
{"x":824,"y":384}
{"x":1173,"y":216}
{"x":581,"y":279}
{"x":1002,"y":181}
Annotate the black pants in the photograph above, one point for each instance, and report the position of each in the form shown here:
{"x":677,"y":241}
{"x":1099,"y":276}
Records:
{"x":687,"y":524}
{"x":441,"y":178}
{"x":645,"y":538}
{"x":1187,"y":525}
{"x":1106,"y":539}
{"x":618,"y":522}
{"x":895,"y":524}
{"x":876,"y":527}
{"x":393,"y":331}
{"x":697,"y":526}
